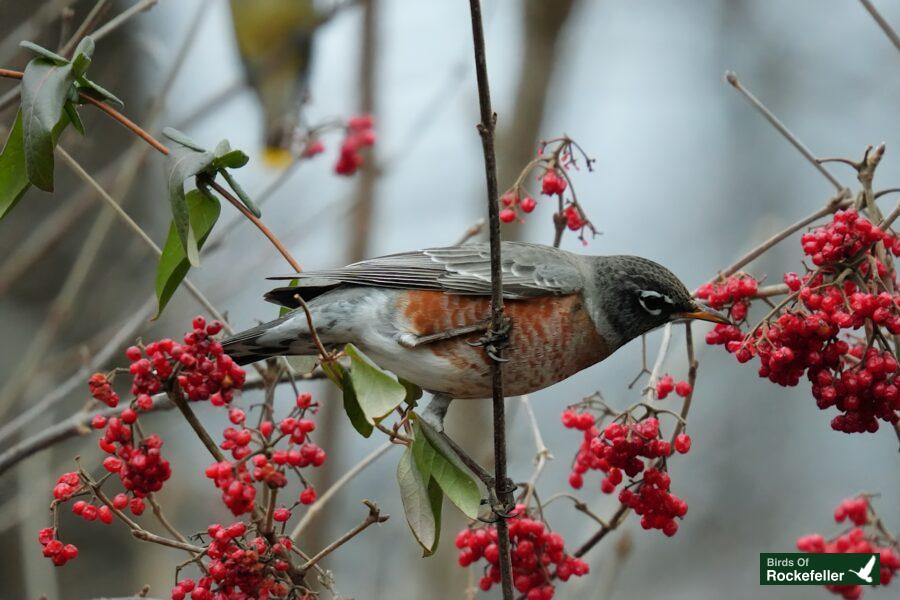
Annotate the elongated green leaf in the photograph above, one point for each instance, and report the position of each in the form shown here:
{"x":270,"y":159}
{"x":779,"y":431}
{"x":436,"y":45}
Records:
{"x":82,"y":58}
{"x":284,"y":309}
{"x":378,"y":391}
{"x":455,"y":481}
{"x":226,"y":158}
{"x":74,"y":117}
{"x":45,"y":88}
{"x":44,"y":53}
{"x":98,"y":92}
{"x":185,"y":162}
{"x":339,"y":375}
{"x":182,"y":138}
{"x":173,"y":266}
{"x":422,"y":499}
{"x":13,"y":178}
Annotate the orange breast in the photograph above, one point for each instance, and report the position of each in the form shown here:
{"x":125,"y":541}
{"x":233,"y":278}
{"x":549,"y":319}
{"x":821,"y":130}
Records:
{"x":552,"y":338}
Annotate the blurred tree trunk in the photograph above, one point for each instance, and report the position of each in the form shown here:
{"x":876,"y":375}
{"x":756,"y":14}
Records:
{"x":332,"y":423}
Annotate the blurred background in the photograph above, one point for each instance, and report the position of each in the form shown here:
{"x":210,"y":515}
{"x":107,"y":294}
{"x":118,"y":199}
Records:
{"x":686,"y":174}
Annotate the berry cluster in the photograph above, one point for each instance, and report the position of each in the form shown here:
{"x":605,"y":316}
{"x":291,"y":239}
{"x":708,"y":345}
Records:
{"x":141,"y":468}
{"x":239,"y":568}
{"x":513,"y":200}
{"x":359,"y":135}
{"x":534,"y":551}
{"x":202,"y":369}
{"x":735,"y":293}
{"x":852,"y":290}
{"x":101,"y":389}
{"x":666,"y":385}
{"x":865,"y":537}
{"x":844,"y":239}
{"x":269,"y":462}
{"x":54,"y":549}
{"x":634,"y":449}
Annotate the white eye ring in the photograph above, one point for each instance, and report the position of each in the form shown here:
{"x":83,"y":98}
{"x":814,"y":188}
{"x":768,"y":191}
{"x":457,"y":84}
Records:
{"x":643,"y":296}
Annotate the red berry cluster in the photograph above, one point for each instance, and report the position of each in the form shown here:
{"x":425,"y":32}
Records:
{"x":850,"y":290}
{"x":864,"y":538}
{"x":666,"y":385}
{"x":54,"y":549}
{"x":239,"y":568}
{"x":269,"y":462}
{"x":359,"y":135}
{"x":141,"y":468}
{"x":101,"y":389}
{"x":735,"y":292}
{"x":633,"y":449}
{"x":204,"y":371}
{"x":844,"y":238}
{"x":533,"y":549}
{"x":512,"y":200}
{"x":553,"y":183}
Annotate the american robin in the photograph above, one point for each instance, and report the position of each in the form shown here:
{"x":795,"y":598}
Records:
{"x":275,"y":42}
{"x":418,"y":314}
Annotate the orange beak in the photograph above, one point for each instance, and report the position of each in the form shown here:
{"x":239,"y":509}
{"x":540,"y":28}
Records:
{"x":704,"y":313}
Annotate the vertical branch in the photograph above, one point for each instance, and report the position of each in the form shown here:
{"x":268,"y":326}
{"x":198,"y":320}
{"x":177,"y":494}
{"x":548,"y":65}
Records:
{"x":498,"y":321}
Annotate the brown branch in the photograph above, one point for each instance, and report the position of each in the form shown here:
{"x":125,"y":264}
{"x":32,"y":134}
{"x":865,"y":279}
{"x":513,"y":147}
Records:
{"x":731,"y":77}
{"x":498,"y":320}
{"x":177,"y":398}
{"x":373,"y":517}
{"x":322,"y":500}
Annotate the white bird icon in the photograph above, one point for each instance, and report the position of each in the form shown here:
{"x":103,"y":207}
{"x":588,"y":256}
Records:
{"x":866,"y":572}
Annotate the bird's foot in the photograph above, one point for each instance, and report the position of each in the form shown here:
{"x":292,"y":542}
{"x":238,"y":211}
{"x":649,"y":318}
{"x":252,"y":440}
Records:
{"x":493,"y":341}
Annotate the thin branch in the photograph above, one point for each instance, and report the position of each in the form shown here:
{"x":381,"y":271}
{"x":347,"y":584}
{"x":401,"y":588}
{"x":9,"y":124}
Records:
{"x":542,"y":453}
{"x":885,"y":26}
{"x":731,"y":77}
{"x":373,"y":517}
{"x":839,"y":201}
{"x":498,"y":320}
{"x":177,"y":398}
{"x":322,"y":500}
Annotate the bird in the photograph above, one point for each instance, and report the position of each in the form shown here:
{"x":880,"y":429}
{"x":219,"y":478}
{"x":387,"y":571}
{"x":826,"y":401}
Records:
{"x":421,"y":314}
{"x":866,"y":572}
{"x":275,"y":43}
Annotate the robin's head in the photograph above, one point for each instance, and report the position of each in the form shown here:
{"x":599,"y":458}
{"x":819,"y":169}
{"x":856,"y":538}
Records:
{"x":638,"y":295}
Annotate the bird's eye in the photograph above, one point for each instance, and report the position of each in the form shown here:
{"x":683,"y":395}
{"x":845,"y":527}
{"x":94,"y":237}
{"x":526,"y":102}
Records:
{"x":653,"y":302}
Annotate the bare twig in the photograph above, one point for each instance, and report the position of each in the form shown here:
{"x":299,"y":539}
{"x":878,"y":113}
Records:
{"x":498,"y":320}
{"x":731,"y":77}
{"x":177,"y":398}
{"x":885,"y":26}
{"x":542,"y":453}
{"x":373,"y":517}
{"x":322,"y":500}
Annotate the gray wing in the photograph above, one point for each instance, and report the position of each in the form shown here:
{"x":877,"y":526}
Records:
{"x":529,"y":270}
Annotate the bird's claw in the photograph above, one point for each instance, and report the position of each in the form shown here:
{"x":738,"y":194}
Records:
{"x":493,"y":341}
{"x":499,"y":509}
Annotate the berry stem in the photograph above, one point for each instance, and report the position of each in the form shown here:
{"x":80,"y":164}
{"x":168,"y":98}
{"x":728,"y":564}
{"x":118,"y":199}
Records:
{"x":373,"y":517}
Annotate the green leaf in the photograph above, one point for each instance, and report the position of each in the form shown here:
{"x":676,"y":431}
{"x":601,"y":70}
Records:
{"x":413,"y":392}
{"x":173,"y":266}
{"x":82,"y":59}
{"x":45,"y":88}
{"x":74,"y":117}
{"x":226,"y":158}
{"x":13,"y":178}
{"x":185,"y":162}
{"x":455,"y":481}
{"x":44,"y":53}
{"x":378,"y":391}
{"x":233,"y":184}
{"x":182,"y":138}
{"x":339,"y":375}
{"x":422,"y":499}
{"x":98,"y":92}
{"x":284,"y":309}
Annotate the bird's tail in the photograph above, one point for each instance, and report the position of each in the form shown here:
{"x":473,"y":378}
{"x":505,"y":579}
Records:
{"x":287,"y":335}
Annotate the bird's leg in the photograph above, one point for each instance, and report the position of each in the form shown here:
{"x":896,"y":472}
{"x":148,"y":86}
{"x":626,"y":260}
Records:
{"x":436,"y":410}
{"x":411,"y":340}
{"x":494,"y":341}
